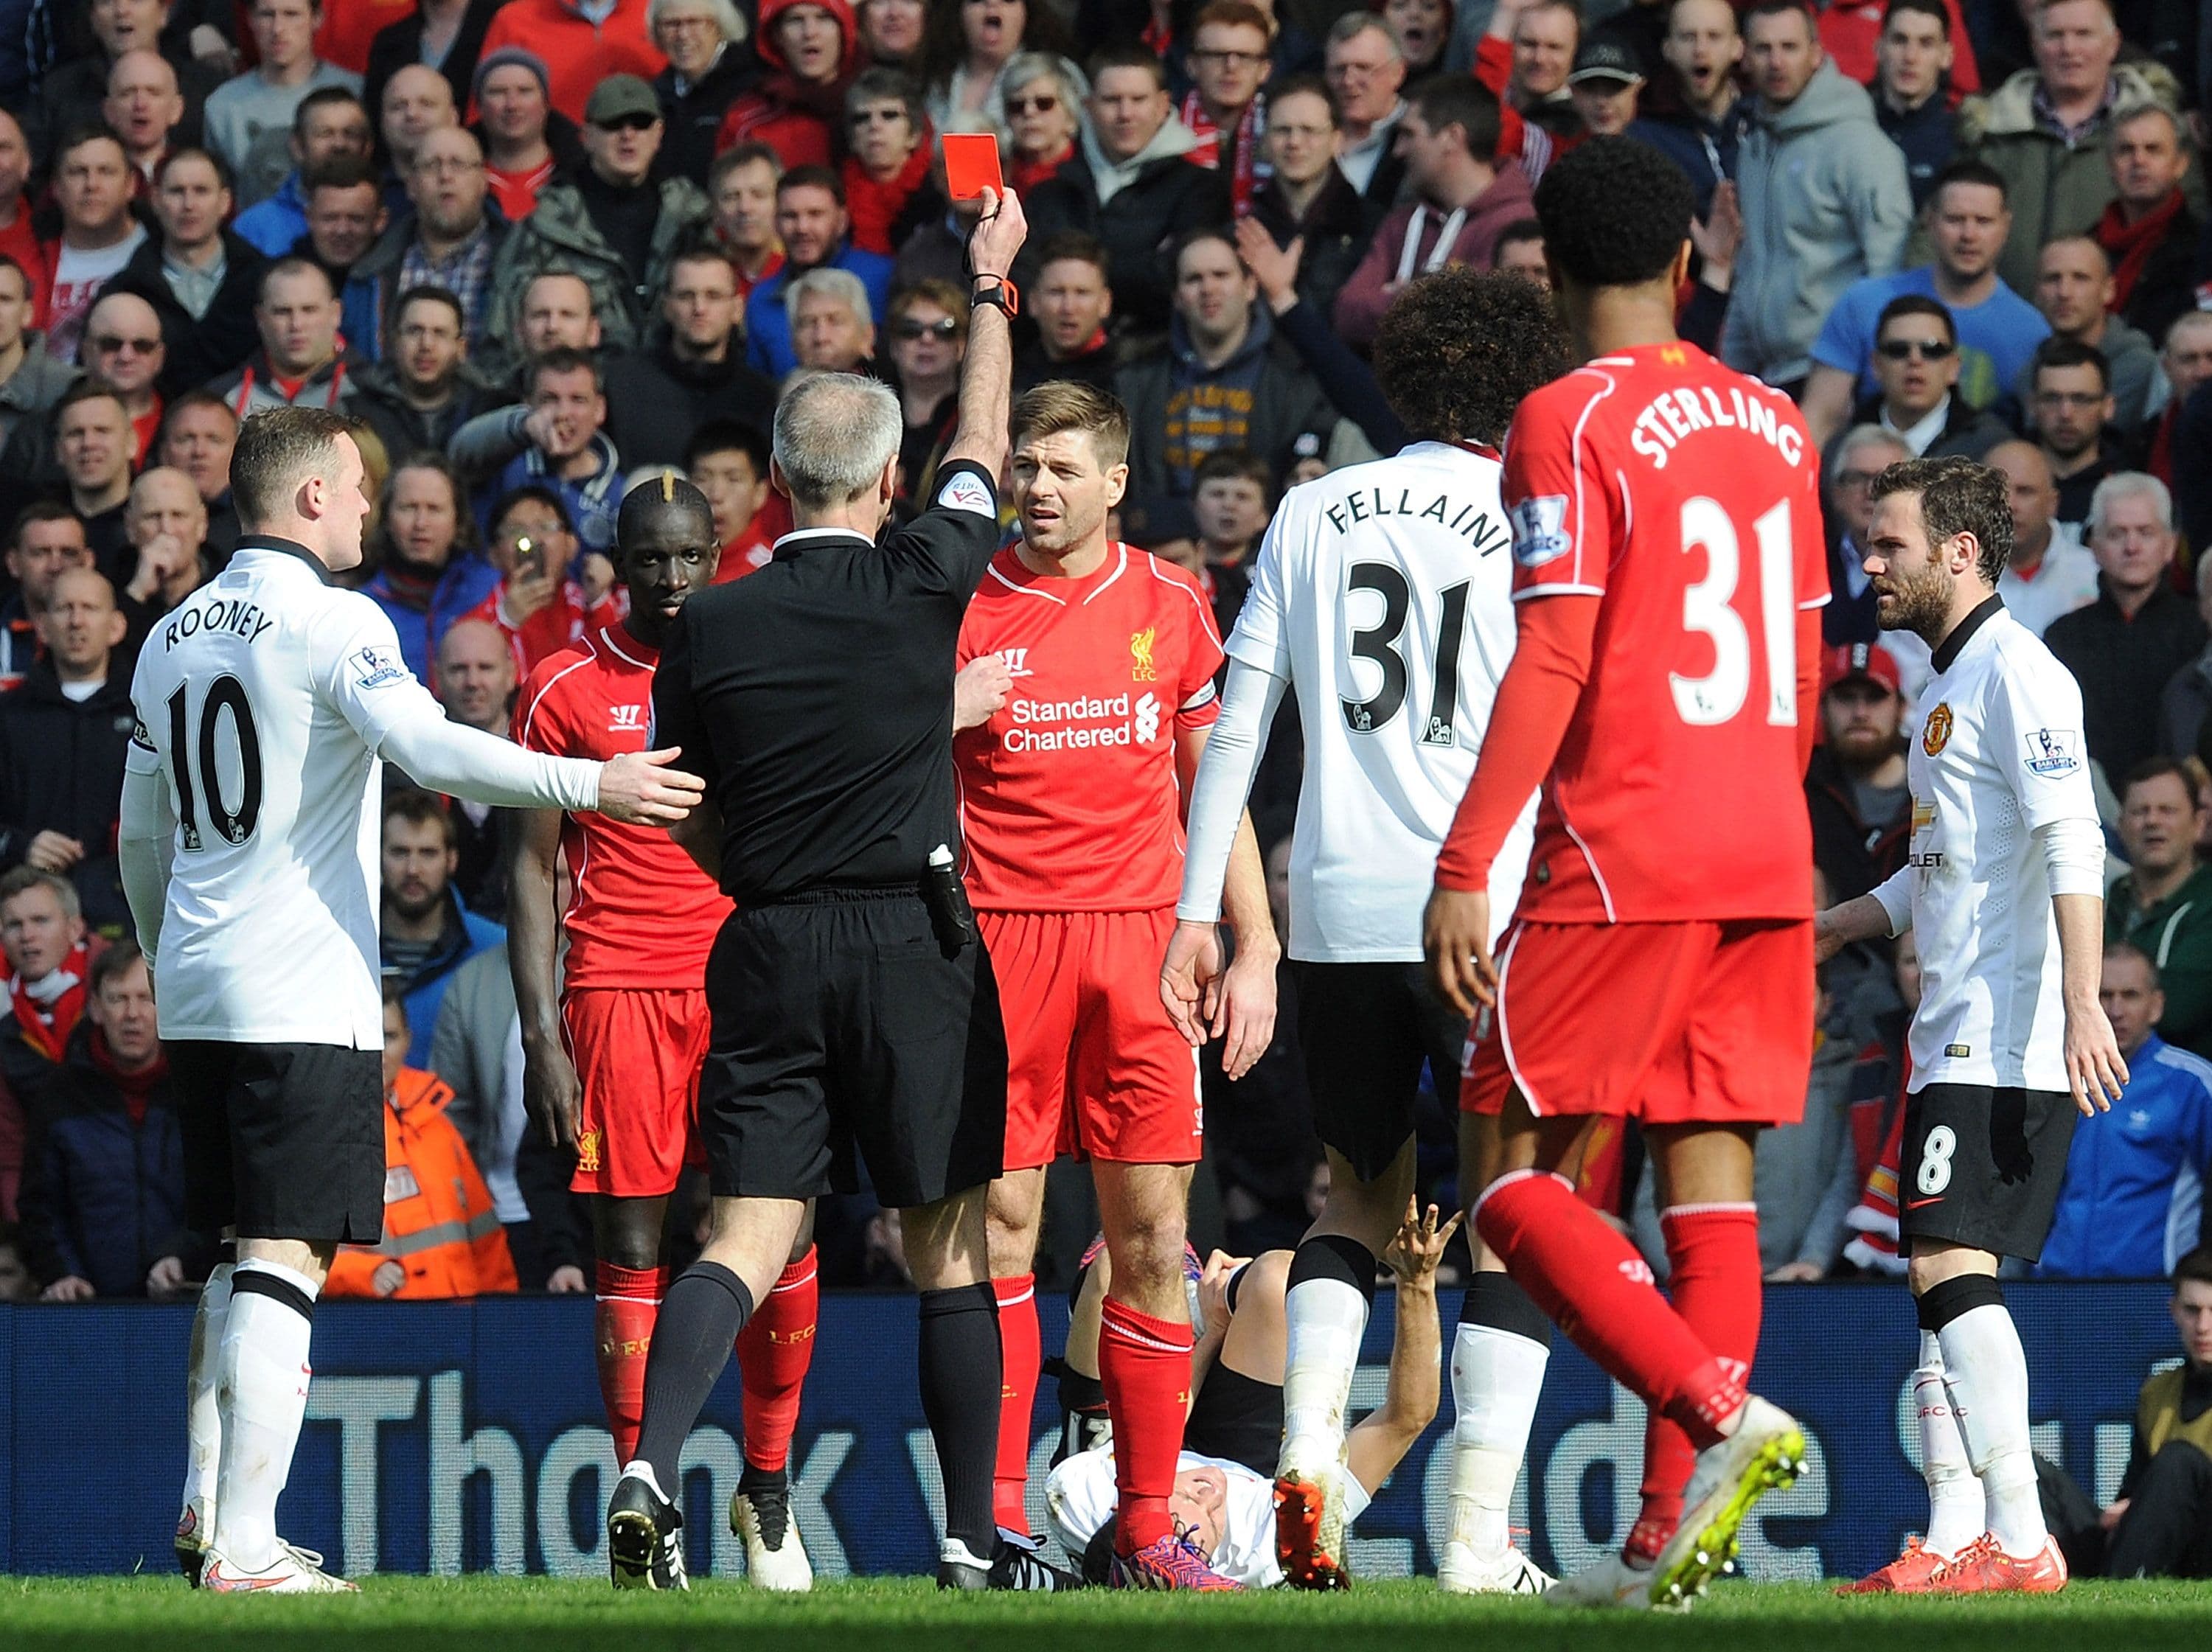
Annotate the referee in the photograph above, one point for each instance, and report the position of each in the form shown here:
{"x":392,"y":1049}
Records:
{"x":855,"y":1020}
{"x":2003,"y":891}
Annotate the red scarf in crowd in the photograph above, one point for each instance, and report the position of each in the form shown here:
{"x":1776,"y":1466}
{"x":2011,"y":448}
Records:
{"x":1028,"y":174}
{"x":46,"y":1027}
{"x":874,"y":204}
{"x":2129,"y":246}
{"x":137,"y":1089}
{"x":1246,"y":170}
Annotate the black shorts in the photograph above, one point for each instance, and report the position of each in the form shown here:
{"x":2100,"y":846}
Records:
{"x":1983,"y":1167}
{"x":282,"y":1141}
{"x":843,"y":1037}
{"x":1365,"y":1029}
{"x":1238,"y":1418}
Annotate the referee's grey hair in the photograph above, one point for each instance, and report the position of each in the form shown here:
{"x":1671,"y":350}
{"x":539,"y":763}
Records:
{"x":839,"y":284}
{"x":2131,"y":485}
{"x":835,"y":433}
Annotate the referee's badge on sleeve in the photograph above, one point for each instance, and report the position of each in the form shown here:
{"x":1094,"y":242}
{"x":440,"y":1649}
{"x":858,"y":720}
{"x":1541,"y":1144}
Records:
{"x":963,"y":490}
{"x":1539,"y":529}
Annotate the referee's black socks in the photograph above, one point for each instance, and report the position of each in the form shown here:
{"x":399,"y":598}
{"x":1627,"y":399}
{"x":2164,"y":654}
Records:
{"x":700,"y":1319}
{"x":960,"y":1380}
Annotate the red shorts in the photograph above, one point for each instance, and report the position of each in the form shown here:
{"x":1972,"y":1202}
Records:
{"x":1700,"y":1022}
{"x":638,"y":1052}
{"x":1094,"y":1066}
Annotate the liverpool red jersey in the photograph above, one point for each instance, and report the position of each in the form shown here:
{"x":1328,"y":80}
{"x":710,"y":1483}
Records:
{"x":642,"y":914}
{"x":1685,"y":497}
{"x":1068,"y":796}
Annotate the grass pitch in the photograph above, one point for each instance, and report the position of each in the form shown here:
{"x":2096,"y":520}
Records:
{"x":397,"y":1614}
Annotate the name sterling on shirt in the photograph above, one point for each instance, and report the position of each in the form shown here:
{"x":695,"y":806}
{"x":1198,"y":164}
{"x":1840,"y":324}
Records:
{"x":1370,"y":504}
{"x":1675,"y":414}
{"x":231,"y":614}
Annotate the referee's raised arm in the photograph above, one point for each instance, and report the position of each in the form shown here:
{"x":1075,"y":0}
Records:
{"x":987,"y":375}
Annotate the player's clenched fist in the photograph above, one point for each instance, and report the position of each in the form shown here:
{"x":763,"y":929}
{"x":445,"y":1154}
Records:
{"x":643,"y":788}
{"x":980,"y":688}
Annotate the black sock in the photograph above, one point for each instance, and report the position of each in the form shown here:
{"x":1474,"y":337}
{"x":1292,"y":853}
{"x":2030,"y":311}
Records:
{"x":1333,"y":1256}
{"x":960,"y":1398}
{"x":1497,"y":1301}
{"x":700,"y":1318}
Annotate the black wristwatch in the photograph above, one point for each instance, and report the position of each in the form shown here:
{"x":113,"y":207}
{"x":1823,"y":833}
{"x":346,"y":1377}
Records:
{"x":996,"y":290}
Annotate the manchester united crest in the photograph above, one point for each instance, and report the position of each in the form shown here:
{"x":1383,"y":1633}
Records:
{"x":1935,"y":732}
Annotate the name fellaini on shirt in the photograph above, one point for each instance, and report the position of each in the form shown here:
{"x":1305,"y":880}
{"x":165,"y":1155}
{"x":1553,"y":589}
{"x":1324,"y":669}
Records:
{"x":1673,"y":415}
{"x":1371,"y":504}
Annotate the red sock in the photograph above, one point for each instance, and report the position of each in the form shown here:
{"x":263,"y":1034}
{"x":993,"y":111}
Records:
{"x":774,"y":1350}
{"x":629,"y":1302}
{"x":1595,"y":1288}
{"x":1144,"y":1364}
{"x":1716,"y":1284}
{"x":1020,"y":1354}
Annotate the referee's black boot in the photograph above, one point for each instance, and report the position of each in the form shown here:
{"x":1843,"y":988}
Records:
{"x":645,"y":1538}
{"x":958,"y":1568}
{"x":1018,"y":1563}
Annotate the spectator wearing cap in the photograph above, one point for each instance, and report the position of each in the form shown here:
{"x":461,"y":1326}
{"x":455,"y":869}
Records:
{"x":612,"y":225}
{"x":2074,"y":292}
{"x":811,"y":222}
{"x":201,"y":277}
{"x":2125,"y":647}
{"x":265,"y":97}
{"x":1308,"y":198}
{"x":1463,"y":196}
{"x":1071,"y":304}
{"x":2050,"y":571}
{"x":1825,"y":197}
{"x":886,"y":166}
{"x":1915,"y":367}
{"x":1131,"y":184}
{"x":1702,"y":126}
{"x":1855,"y":787}
{"x":525,"y":140}
{"x":2163,"y":902}
{"x":710,"y":64}
{"x":1914,"y":57}
{"x":1225,"y":380}
{"x":581,"y":43}
{"x":1854,"y":460}
{"x":812,"y":50}
{"x":448,"y":36}
{"x":2148,"y":231}
{"x":1604,"y":86}
{"x":326,"y":125}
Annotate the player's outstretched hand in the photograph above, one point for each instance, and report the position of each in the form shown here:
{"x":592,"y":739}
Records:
{"x":1190,"y":977}
{"x":999,"y":234}
{"x":1455,"y":941}
{"x":2095,"y":1069}
{"x":644,"y":788}
{"x":1416,"y":1253}
{"x":551,"y":1094}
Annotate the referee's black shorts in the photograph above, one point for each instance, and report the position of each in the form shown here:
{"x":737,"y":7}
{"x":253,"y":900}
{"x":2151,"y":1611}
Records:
{"x":843,"y":1037}
{"x":281,"y":1141}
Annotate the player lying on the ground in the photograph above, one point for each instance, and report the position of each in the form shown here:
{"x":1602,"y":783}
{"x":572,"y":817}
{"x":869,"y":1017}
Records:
{"x":614,"y":1033}
{"x":1224,"y":1500}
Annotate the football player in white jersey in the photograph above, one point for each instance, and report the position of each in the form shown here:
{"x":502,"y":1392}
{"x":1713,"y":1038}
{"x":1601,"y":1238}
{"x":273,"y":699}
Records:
{"x":2003,"y":891}
{"x":267,"y":703}
{"x":1382,"y":593}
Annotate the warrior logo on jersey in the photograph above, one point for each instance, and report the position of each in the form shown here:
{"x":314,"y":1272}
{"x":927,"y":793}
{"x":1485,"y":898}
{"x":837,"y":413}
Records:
{"x":1936,"y":733}
{"x":625,"y":719}
{"x":1017,"y":661}
{"x":375,"y":667}
{"x":1539,"y":529}
{"x":1140,"y":655}
{"x":2050,"y":753}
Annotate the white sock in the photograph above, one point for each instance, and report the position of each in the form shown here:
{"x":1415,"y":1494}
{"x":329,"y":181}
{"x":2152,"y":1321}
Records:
{"x":203,"y":1411}
{"x":1955,"y":1513}
{"x":264,"y":1386}
{"x":1324,"y":1320}
{"x":1497,"y":1378}
{"x":1985,"y":1371}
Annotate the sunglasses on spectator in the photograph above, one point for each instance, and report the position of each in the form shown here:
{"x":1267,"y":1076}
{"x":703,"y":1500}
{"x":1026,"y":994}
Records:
{"x":108,"y":343}
{"x":1040,"y":104}
{"x":628,"y":123}
{"x":1927,"y":349}
{"x":944,"y":327}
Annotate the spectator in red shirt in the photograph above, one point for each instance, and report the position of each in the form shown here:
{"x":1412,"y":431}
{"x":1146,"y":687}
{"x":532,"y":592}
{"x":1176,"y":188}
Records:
{"x":578,"y":52}
{"x":812,"y":48}
{"x":728,"y":462}
{"x":18,"y":240}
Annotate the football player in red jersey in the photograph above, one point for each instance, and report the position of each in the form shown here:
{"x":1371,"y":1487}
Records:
{"x":1087,"y":681}
{"x":611,"y":1057}
{"x":1669,"y":574}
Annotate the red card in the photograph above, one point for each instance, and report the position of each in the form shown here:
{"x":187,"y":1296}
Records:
{"x":971,"y":165}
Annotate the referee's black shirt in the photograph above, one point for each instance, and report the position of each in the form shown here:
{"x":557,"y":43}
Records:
{"x":815,"y":698}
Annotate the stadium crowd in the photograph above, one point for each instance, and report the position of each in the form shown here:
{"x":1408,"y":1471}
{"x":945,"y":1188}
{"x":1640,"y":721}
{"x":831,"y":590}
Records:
{"x":538,"y":248}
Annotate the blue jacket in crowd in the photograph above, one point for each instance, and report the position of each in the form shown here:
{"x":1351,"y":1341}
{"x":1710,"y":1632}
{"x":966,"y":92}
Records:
{"x":2134,"y":1196}
{"x":105,"y":1199}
